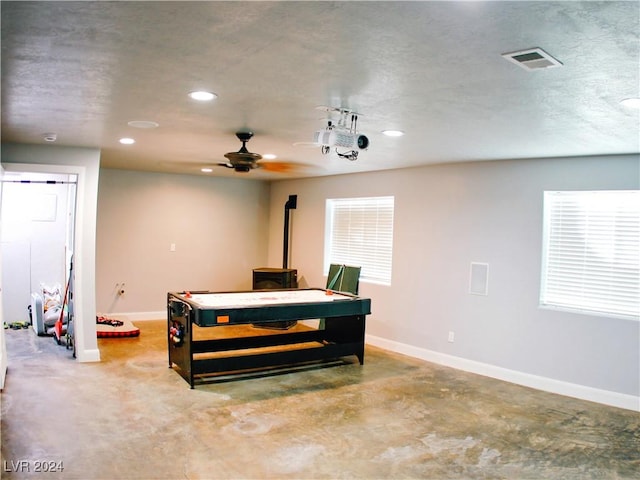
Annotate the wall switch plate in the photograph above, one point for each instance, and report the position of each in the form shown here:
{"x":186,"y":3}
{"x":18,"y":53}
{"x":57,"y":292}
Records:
{"x":172,"y":247}
{"x":451,"y":336}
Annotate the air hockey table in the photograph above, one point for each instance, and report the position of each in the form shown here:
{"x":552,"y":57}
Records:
{"x":340,"y":334}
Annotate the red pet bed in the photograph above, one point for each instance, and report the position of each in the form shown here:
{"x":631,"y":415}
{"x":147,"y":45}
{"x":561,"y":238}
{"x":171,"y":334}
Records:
{"x":112,"y":327}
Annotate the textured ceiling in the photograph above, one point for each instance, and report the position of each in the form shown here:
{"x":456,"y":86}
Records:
{"x":82,"y":70}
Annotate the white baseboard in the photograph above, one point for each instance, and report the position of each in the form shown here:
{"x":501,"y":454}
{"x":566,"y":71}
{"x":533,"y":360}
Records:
{"x":582,"y":392}
{"x":86,"y":356}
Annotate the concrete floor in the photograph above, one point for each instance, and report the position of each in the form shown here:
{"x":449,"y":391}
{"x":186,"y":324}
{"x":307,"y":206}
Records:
{"x":131,"y":417}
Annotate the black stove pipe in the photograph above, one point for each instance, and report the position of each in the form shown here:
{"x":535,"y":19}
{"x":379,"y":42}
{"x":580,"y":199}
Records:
{"x":291,"y":204}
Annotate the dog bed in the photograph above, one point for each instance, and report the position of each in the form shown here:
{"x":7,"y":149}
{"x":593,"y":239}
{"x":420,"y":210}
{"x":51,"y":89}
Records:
{"x":115,"y":327}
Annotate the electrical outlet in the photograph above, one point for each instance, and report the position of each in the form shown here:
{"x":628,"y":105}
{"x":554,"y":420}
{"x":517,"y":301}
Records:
{"x":172,"y":247}
{"x":451,"y":337}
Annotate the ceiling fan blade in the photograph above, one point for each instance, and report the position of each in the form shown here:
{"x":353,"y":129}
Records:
{"x":282,"y":167}
{"x":307,"y":144}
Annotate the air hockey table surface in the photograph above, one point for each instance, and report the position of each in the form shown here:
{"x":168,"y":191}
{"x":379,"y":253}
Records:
{"x":265,"y":297}
{"x":221,"y":308}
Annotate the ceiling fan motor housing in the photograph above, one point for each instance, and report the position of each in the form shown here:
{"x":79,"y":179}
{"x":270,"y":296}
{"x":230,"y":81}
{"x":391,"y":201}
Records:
{"x":244,"y":161}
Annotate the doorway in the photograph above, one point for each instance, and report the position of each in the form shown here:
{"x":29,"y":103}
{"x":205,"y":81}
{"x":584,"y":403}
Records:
{"x":38,"y":222}
{"x":85,"y":163}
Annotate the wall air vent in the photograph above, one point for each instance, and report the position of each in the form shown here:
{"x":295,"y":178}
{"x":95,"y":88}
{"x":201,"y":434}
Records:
{"x":532,"y":59}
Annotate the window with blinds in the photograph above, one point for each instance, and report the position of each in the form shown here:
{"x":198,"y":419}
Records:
{"x":359,"y":232}
{"x":591,"y":252}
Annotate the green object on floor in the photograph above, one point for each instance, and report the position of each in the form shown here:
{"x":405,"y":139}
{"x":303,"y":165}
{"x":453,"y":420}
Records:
{"x":19,"y":325}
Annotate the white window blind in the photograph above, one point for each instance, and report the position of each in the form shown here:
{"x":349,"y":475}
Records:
{"x":359,"y":232}
{"x":591,"y":252}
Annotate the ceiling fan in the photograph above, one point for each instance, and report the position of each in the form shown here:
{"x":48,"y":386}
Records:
{"x":244,"y":161}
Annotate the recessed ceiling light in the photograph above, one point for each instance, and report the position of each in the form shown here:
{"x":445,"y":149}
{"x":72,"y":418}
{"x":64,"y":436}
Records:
{"x":143,"y":124}
{"x":206,"y":170}
{"x":50,"y":137}
{"x":393,"y":133}
{"x":269,"y":156}
{"x":631,"y":102}
{"x":202,"y":96}
{"x":127,"y":141}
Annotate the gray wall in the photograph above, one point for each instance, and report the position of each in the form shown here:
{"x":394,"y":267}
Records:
{"x":448,"y":216}
{"x":218,"y":225}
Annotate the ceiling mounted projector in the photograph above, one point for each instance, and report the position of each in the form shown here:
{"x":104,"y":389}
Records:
{"x":343,"y":134}
{"x":341,"y":138}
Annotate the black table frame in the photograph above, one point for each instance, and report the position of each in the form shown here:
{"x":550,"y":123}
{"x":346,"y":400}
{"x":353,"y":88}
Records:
{"x":342,"y":334}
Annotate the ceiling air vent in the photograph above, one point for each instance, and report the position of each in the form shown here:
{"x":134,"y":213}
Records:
{"x":532,"y":59}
